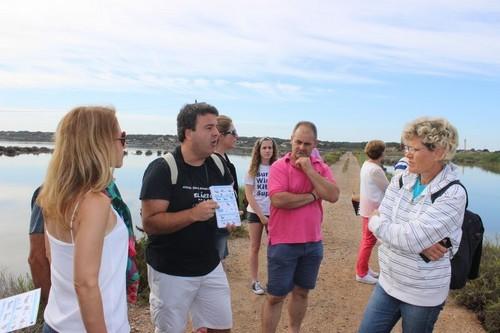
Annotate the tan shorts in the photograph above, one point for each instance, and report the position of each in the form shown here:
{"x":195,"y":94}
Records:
{"x":172,"y":298}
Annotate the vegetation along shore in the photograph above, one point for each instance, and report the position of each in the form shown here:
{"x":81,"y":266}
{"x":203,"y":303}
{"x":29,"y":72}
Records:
{"x":149,"y":144}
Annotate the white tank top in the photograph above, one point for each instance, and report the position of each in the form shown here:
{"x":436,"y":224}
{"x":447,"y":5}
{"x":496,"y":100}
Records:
{"x":63,"y":312}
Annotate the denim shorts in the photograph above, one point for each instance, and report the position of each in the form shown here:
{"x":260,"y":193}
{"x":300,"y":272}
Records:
{"x":290,"y":265}
{"x":253,"y":218}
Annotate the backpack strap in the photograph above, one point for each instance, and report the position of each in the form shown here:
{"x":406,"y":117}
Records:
{"x":218,"y":161}
{"x":437,"y":194}
{"x":172,"y":164}
{"x":174,"y":172}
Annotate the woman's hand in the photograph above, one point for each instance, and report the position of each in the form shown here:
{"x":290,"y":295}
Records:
{"x":435,"y":252}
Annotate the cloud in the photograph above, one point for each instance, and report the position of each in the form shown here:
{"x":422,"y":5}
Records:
{"x":156,"y":44}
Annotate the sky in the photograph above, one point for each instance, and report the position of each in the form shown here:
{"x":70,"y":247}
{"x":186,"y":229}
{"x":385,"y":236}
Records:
{"x":360,"y":70}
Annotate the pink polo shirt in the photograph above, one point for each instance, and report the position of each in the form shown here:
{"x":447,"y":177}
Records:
{"x":296,"y":225}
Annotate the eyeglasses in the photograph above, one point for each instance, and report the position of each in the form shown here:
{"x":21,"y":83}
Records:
{"x":412,"y":150}
{"x":233,"y":133}
{"x":123,"y":138}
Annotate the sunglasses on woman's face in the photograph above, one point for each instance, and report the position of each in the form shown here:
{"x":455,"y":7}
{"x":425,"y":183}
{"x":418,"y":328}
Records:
{"x":123,"y":138}
{"x":233,"y":133}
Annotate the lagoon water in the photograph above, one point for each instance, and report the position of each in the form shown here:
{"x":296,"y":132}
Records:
{"x":20,"y":175}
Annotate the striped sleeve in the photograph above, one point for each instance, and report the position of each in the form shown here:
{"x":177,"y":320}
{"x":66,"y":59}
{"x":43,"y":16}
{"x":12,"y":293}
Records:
{"x":435,"y":221}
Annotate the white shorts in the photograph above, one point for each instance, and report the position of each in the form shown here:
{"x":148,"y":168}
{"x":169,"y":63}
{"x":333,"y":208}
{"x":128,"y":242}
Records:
{"x":207,"y":297}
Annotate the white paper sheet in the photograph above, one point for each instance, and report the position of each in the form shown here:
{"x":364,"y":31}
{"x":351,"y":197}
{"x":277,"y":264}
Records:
{"x":228,"y":212}
{"x":19,"y":311}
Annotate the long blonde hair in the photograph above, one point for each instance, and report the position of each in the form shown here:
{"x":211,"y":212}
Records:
{"x":81,"y":162}
{"x":257,"y":159}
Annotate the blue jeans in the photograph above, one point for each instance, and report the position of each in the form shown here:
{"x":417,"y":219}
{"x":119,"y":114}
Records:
{"x":47,"y":329}
{"x":383,"y":312}
{"x":221,"y":237}
{"x":290,"y":265}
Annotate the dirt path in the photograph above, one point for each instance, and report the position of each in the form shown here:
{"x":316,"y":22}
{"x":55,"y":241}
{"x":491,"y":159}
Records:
{"x":337,"y":303}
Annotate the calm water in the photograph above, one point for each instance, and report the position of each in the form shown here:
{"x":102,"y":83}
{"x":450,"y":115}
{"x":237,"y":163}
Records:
{"x":20,"y":175}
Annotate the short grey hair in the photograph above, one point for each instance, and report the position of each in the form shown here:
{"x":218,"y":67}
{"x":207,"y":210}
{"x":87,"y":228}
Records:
{"x":434,"y":133}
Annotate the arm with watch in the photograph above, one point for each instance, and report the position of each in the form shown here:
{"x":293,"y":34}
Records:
{"x":446,"y":243}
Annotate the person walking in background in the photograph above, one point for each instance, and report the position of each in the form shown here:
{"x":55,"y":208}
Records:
{"x":226,"y":142}
{"x":264,"y":154}
{"x":373,"y":183}
{"x":297,"y":184}
{"x":411,"y":227}
{"x":88,"y":240}
{"x":185,"y":273}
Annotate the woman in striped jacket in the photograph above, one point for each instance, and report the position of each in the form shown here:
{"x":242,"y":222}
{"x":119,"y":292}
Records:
{"x":411,"y":227}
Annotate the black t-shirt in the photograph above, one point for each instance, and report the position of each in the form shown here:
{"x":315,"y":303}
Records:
{"x":190,"y":251}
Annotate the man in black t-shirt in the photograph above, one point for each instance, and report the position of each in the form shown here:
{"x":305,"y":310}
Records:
{"x":184,"y":270}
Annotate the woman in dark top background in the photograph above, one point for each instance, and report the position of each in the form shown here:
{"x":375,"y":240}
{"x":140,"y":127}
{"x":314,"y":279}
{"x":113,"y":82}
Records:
{"x":227,"y":140}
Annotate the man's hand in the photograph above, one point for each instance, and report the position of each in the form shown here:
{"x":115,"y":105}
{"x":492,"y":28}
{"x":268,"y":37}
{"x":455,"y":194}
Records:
{"x":204,"y":210}
{"x":304,"y":164}
{"x":231,"y":227}
{"x":435,"y":252}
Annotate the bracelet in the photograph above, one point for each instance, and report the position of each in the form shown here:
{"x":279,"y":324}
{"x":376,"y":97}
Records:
{"x":314,"y":196}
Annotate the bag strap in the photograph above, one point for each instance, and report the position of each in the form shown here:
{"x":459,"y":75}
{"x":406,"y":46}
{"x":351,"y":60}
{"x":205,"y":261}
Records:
{"x":439,"y":193}
{"x":172,"y":164}
{"x":174,"y":172}
{"x":218,"y":161}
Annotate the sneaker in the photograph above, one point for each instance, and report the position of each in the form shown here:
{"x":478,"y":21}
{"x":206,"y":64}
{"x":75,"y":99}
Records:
{"x":257,"y":288}
{"x":372,"y":273}
{"x":368,"y":279}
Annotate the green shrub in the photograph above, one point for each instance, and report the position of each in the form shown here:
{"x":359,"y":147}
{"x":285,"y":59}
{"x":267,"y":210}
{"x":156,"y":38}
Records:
{"x":332,"y":157}
{"x":483,"y":294}
{"x":240,"y":232}
{"x":242,"y":201}
{"x":492,"y":318}
{"x":143,"y":290}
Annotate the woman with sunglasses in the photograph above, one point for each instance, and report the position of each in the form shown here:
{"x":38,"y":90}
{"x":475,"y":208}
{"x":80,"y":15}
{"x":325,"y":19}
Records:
{"x":264,"y":153}
{"x":226,"y":142}
{"x":415,"y":232}
{"x":88,"y":239}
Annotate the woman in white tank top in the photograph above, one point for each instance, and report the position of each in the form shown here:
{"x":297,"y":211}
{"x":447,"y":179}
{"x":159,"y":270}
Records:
{"x":88,"y":240}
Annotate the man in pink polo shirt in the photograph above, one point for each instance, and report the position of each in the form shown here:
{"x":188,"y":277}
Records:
{"x":298,"y":182}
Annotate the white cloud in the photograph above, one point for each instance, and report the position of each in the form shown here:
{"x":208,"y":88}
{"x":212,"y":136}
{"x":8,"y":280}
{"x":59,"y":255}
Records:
{"x":179,"y":44}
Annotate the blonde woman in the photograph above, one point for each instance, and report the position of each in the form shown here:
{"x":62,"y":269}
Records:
{"x":88,"y":240}
{"x":264,"y":154}
{"x":411,"y":226}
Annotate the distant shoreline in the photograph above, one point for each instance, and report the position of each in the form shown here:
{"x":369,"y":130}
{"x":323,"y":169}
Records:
{"x":168,"y":142}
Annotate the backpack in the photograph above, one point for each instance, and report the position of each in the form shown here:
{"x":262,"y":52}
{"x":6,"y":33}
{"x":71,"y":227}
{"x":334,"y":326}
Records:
{"x":174,"y":172}
{"x":465,"y":263}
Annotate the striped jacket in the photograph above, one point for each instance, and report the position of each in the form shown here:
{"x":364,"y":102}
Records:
{"x":406,"y":226}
